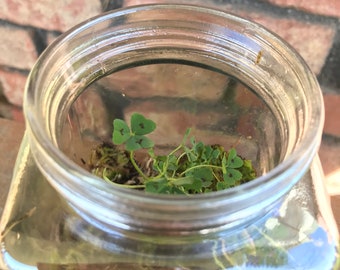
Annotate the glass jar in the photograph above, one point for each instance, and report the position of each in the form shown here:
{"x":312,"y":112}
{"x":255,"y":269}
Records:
{"x":228,"y":79}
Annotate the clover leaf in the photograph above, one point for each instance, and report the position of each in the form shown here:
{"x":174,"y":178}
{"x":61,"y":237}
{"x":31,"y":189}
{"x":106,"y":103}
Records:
{"x":138,"y":142}
{"x":232,"y":176}
{"x":233,"y":160}
{"x":121,"y":132}
{"x":140,"y":125}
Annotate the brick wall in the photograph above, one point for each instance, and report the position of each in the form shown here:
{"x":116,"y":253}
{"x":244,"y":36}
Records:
{"x":27,"y":27}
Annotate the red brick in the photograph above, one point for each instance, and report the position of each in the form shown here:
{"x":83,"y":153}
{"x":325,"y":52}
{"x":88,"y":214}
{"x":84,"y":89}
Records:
{"x":329,"y":156}
{"x":167,"y":81}
{"x":330,"y":160}
{"x":17,"y":114}
{"x":5,"y":110}
{"x":336,"y":209}
{"x":327,"y":7}
{"x":312,"y":41}
{"x":13,"y":85}
{"x":51,"y":15}
{"x":11,"y":112}
{"x":17,"y":48}
{"x":10,"y":137}
{"x":332,"y":113}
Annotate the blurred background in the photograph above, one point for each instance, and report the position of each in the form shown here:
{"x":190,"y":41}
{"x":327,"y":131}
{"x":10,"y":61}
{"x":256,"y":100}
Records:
{"x":27,"y":27}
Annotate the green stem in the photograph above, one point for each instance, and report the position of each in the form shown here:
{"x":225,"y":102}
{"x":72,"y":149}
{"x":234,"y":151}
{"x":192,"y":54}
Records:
{"x":215,"y":256}
{"x":185,"y":153}
{"x":274,"y":243}
{"x":216,"y":177}
{"x":182,"y":145}
{"x":200,"y":166}
{"x":175,"y":150}
{"x":181,"y":181}
{"x":136,"y":166}
{"x":155,"y":178}
{"x":228,"y":257}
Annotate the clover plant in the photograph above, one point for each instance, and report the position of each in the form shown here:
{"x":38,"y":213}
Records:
{"x":191,"y":168}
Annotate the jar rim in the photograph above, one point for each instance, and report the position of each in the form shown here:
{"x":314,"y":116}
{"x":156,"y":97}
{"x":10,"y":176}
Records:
{"x":279,"y":178}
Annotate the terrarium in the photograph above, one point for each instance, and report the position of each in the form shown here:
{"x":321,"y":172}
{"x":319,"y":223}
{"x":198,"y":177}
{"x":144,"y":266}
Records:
{"x":229,"y":81}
